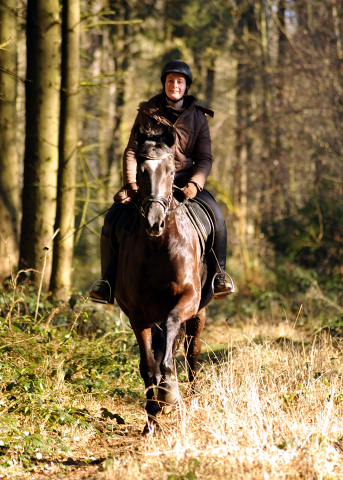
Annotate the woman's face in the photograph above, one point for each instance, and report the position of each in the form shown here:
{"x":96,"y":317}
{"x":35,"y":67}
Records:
{"x":175,"y":86}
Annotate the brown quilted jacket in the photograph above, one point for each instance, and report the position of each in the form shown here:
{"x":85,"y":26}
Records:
{"x":192,"y":147}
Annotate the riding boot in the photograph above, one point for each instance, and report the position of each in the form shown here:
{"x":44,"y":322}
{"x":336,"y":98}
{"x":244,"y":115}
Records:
{"x":222,"y":287}
{"x":102,"y":289}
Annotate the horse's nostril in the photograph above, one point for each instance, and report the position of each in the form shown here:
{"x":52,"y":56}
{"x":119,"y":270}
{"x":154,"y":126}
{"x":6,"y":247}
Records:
{"x":162,"y":224}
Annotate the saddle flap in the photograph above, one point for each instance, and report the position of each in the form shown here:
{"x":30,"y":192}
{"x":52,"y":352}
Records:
{"x":202,"y":222}
{"x":124,"y":222}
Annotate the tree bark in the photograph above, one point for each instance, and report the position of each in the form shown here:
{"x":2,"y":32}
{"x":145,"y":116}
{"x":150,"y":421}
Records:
{"x":245,"y":84}
{"x":41,"y":142}
{"x":61,"y":276}
{"x":9,"y":189}
{"x":119,"y":35}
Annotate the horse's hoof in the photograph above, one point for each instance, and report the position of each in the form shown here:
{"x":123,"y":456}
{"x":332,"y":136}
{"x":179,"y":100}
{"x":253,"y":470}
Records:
{"x":167,"y":395}
{"x":149,"y":429}
{"x":166,"y":409}
{"x":151,"y":425}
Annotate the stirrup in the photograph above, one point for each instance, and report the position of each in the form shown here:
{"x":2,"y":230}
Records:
{"x":100,"y":300}
{"x":221,"y":295}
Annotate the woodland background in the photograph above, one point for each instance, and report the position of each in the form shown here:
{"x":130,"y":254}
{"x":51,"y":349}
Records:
{"x":269,"y":396}
{"x":72,"y":74}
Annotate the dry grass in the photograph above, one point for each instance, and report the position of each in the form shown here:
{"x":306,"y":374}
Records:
{"x":269,"y":405}
{"x":268,"y":410}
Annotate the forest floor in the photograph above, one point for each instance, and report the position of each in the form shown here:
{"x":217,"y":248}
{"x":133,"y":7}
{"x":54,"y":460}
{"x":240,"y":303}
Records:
{"x":269,"y":405}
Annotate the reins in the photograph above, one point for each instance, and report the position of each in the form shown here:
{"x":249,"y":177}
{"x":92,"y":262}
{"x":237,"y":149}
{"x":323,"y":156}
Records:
{"x":179,"y":204}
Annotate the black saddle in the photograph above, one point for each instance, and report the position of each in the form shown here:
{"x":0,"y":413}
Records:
{"x":199,"y":215}
{"x":124,"y":223}
{"x":203,"y":220}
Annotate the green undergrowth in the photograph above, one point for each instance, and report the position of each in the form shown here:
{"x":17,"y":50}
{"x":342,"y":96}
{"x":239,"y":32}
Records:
{"x":49,"y":374}
{"x":283,"y":292}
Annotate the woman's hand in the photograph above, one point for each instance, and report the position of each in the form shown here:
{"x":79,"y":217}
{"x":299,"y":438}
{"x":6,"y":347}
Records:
{"x":127,"y":193}
{"x":132,"y":190}
{"x":190,"y":190}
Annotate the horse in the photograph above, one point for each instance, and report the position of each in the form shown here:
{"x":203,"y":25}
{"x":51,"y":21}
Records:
{"x":160,"y":274}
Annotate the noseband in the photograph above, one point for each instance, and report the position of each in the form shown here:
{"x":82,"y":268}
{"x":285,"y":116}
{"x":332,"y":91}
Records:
{"x":165,"y":202}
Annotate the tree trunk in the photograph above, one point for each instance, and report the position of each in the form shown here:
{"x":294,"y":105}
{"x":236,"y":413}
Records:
{"x":41,"y":142}
{"x":245,"y":83}
{"x":119,"y":35}
{"x":61,"y":276}
{"x":210,"y":76}
{"x":9,"y":190}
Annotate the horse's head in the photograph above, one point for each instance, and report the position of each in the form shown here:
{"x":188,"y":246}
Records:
{"x":155,"y":175}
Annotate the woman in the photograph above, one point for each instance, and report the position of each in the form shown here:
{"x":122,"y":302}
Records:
{"x":193,"y":161}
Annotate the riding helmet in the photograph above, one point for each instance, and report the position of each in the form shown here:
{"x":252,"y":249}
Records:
{"x":177,"y":66}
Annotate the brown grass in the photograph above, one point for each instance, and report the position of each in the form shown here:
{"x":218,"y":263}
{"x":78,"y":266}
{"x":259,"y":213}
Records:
{"x":268,"y":410}
{"x":268,"y":406}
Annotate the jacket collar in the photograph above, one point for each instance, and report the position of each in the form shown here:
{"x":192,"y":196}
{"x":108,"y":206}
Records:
{"x":152,"y":109}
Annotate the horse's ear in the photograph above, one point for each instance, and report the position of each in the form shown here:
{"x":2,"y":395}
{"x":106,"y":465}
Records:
{"x":140,"y":134}
{"x":168,"y":136}
{"x":162,"y":134}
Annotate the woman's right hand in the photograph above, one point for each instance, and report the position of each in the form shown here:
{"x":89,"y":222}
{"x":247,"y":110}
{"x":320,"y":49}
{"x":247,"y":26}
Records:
{"x":127,"y":193}
{"x":190,"y":190}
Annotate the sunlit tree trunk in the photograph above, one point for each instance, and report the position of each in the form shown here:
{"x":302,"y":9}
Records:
{"x":61,"y":277}
{"x":9,"y":188}
{"x":41,"y":142}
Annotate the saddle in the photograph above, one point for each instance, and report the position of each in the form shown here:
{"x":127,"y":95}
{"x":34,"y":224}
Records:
{"x":200,"y":216}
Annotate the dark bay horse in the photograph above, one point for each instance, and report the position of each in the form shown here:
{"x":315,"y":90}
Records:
{"x":160,"y":274}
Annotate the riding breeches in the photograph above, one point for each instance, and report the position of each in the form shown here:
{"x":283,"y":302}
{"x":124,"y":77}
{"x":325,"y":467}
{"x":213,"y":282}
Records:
{"x":207,"y":198}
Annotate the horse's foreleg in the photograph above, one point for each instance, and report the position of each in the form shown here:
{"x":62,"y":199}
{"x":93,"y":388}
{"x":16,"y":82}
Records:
{"x":158,"y":348}
{"x":149,"y":371}
{"x":167,"y":392}
{"x":183,"y":310}
{"x":194,"y":327}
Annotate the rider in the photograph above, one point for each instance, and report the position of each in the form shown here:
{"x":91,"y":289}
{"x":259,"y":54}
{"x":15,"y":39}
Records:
{"x":193,"y":162}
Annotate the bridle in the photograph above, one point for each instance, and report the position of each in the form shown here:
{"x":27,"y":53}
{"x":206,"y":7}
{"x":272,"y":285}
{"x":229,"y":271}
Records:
{"x":149,"y":199}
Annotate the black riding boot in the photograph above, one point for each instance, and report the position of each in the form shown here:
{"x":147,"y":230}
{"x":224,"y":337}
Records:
{"x":222,"y":287}
{"x":102,"y":290}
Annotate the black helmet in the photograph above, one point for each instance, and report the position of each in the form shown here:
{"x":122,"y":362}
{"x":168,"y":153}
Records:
{"x":177,"y":66}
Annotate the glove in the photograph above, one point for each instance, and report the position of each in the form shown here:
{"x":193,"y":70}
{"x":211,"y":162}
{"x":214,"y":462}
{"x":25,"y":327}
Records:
{"x":132,"y":190}
{"x":126,"y":193}
{"x":190,"y":190}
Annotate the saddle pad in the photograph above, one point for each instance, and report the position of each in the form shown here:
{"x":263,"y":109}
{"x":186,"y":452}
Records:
{"x":202,"y":223}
